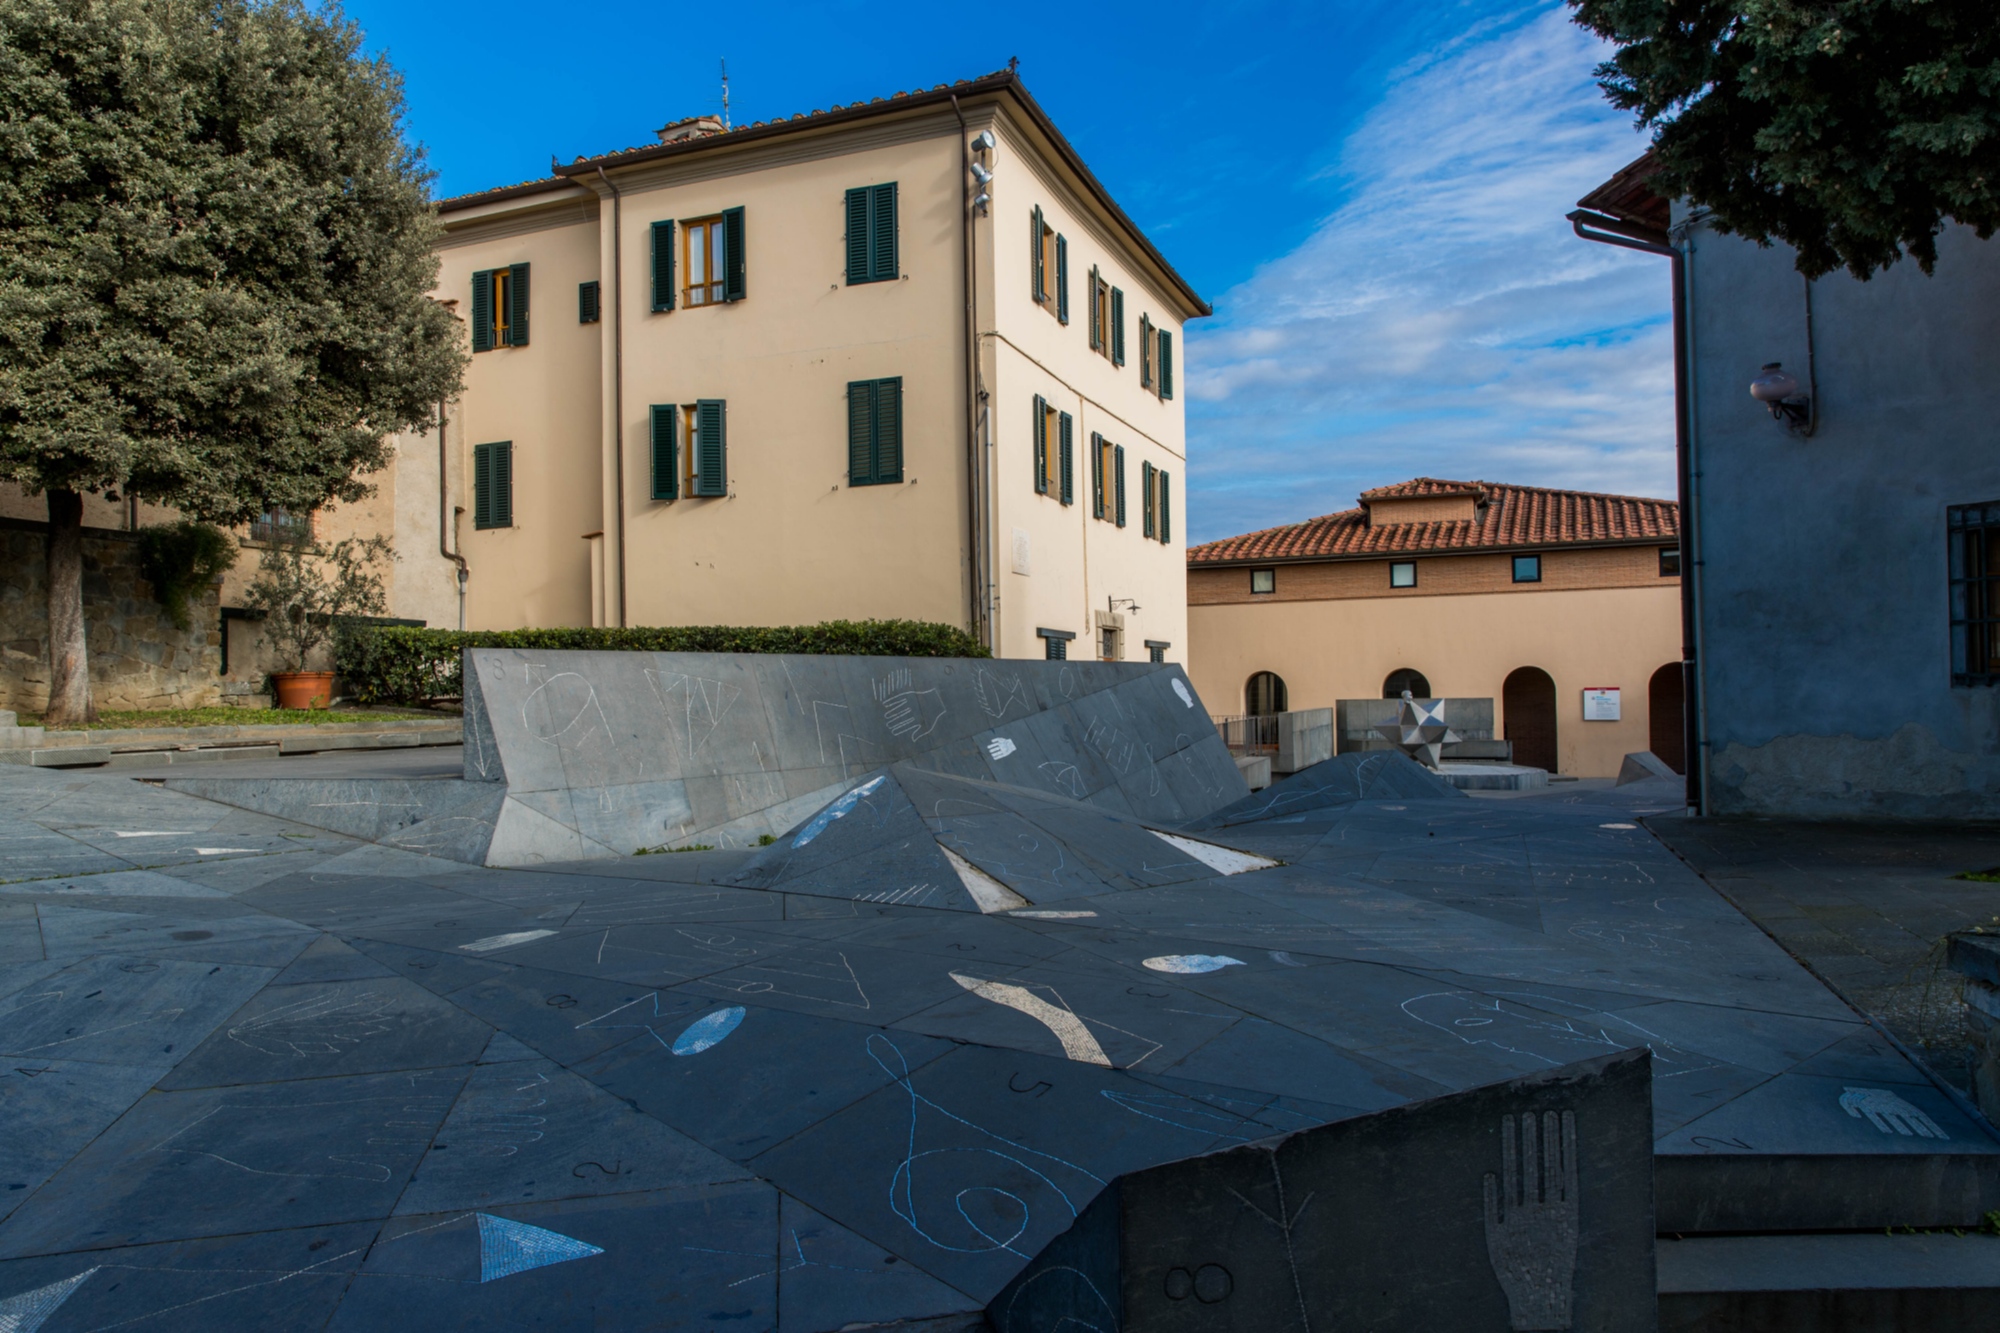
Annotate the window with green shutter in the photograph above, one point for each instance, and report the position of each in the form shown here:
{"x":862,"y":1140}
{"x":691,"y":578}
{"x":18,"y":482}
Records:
{"x":875,"y":432}
{"x":663,"y":266}
{"x":1062,"y":279}
{"x":871,"y":234}
{"x":1166,"y":507}
{"x":1146,"y":350}
{"x":482,"y":310}
{"x":1098,"y":309}
{"x":1041,"y":445}
{"x":1038,"y":264}
{"x":1117,"y":327}
{"x":733,"y":255}
{"x":1148,"y":524}
{"x":1097,"y":477}
{"x":710,"y":448}
{"x":517,"y":306}
{"x":1067,"y":431}
{"x":493,"y":485}
{"x":666,"y":450}
{"x":1166,"y":368}
{"x":588,"y":307}
{"x":500,"y":308}
{"x":1118,"y":478}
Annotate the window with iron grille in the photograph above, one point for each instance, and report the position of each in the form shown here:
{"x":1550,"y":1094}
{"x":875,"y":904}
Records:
{"x":1974,"y":535}
{"x":279,"y":524}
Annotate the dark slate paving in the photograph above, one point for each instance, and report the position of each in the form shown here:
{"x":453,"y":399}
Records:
{"x":629,"y":1092}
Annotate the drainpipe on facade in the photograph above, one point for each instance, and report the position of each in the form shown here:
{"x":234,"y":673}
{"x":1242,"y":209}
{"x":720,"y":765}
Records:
{"x":975,"y":472}
{"x":444,"y":515}
{"x":618,"y":378}
{"x":1610,"y":231}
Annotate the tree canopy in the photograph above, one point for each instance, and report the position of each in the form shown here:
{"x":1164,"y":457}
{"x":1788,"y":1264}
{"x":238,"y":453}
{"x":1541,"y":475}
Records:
{"x":1851,"y":130}
{"x":215,"y":250}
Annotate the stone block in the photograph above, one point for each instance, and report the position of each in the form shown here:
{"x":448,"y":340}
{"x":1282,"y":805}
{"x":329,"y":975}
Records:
{"x":71,"y":756}
{"x":1256,"y":770}
{"x":1305,"y":738}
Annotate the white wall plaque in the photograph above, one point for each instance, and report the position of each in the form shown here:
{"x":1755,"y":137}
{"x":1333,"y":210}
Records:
{"x":1600,"y":703}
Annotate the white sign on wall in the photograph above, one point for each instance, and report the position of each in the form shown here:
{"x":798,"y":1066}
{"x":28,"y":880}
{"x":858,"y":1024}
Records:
{"x":1600,"y":703}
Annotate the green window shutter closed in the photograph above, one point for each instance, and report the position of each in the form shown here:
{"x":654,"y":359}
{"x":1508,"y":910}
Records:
{"x":589,"y":307}
{"x":1096,"y":475}
{"x":859,"y":237}
{"x":666,"y":441}
{"x":889,"y":430}
{"x":482,"y":310}
{"x":1068,"y":424}
{"x":503,"y":485}
{"x":1062,"y":279}
{"x":711,"y":459}
{"x":1117,"y":327}
{"x":732,"y":254}
{"x":663,"y":266}
{"x":860,"y":430}
{"x":1146,"y":346}
{"x":882,"y":234}
{"x":517,"y":306}
{"x":1118,"y":480}
{"x":1039,"y":277}
{"x":482,"y":485}
{"x":1096,"y":314}
{"x":1166,"y":364}
{"x":1166,"y":507}
{"x":1147,"y":524}
{"x":1041,"y":446}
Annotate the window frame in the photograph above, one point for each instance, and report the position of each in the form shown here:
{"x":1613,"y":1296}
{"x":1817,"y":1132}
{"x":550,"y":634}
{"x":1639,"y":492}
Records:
{"x":1515,"y":566}
{"x":497,"y":500}
{"x":270,"y":526}
{"x":865,"y":204}
{"x":715,"y":258}
{"x":1400,"y":566}
{"x":1670,"y":553}
{"x":589,"y":302}
{"x":1972,"y":571}
{"x":1156,"y":651}
{"x":1055,"y":643}
{"x":1146,"y":350}
{"x":877,"y":475}
{"x":1100,"y":314}
{"x":1270,"y":578}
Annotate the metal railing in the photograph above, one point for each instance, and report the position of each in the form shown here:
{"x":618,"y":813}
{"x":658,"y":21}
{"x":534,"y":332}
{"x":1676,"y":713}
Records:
{"x":1248,"y":734}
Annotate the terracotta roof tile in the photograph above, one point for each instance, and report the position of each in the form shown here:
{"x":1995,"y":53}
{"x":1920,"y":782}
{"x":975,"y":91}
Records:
{"x":1507,"y":517}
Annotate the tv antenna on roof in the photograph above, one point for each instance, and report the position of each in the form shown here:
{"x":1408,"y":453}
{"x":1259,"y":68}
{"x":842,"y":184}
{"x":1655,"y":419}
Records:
{"x":725,"y":94}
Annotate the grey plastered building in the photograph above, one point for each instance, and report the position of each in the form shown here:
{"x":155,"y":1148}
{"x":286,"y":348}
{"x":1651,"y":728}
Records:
{"x":1844,"y":545}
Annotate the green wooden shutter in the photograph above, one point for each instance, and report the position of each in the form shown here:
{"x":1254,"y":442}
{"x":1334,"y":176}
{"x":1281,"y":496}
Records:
{"x":1147,"y":524}
{"x":1041,"y":446}
{"x":712,"y":448}
{"x":482,"y":485}
{"x":1118,"y":478}
{"x":1166,"y":506}
{"x":666,"y":441}
{"x":889,"y":429}
{"x":482,"y":310}
{"x":589,"y":307}
{"x":1062,"y":279}
{"x":883,"y":260}
{"x":859,"y":237}
{"x":1166,"y":364}
{"x":1096,"y":314}
{"x":517,"y":306}
{"x":1039,"y":278}
{"x":732,"y":254}
{"x":1068,"y":425}
{"x":1096,"y":475}
{"x":860,"y":431}
{"x":503,"y":484}
{"x":1145,"y":352}
{"x":1117,"y":327}
{"x":663,"y":266}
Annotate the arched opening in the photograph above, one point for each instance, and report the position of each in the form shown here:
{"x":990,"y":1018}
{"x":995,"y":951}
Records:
{"x":1264,"y":695}
{"x":1406,"y":678}
{"x":1528,"y":704}
{"x":1666,"y":722}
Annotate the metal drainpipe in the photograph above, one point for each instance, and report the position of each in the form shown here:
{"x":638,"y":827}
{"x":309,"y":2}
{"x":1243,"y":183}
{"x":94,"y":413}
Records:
{"x":618,"y":376}
{"x":444,"y":515}
{"x":975,"y":499}
{"x":1610,"y":231}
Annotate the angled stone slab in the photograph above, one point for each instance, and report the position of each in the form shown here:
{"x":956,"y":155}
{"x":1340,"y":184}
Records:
{"x":435,"y":817}
{"x":51,"y":1109}
{"x":251,"y":939}
{"x":133,"y":1011}
{"x":1339,"y":781}
{"x":829,"y":1278}
{"x":328,"y":959}
{"x":1526,"y":1204}
{"x":118,"y":884}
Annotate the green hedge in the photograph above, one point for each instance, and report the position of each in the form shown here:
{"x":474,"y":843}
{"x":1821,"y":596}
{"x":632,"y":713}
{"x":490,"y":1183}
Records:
{"x":381,"y":664}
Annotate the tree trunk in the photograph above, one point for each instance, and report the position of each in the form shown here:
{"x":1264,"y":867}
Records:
{"x":69,"y":652}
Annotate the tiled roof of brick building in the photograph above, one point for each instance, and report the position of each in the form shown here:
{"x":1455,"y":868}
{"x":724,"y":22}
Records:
{"x":1506,"y":517}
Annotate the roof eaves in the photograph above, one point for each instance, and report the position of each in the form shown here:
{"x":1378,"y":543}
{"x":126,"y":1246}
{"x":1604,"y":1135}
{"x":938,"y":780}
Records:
{"x":501,"y":194}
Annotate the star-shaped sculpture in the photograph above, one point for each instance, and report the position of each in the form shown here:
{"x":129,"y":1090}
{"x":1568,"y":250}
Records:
{"x":1419,"y":730}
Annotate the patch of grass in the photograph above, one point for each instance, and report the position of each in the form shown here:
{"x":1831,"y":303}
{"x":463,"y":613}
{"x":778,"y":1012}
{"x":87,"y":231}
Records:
{"x":120,"y":720}
{"x":765,"y":840}
{"x":1981,"y":876}
{"x":668,"y":851}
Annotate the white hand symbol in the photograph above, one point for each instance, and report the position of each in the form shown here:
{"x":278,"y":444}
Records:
{"x":1889,"y":1113}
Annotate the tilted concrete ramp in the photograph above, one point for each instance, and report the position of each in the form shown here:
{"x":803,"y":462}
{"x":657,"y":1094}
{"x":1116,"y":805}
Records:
{"x":574,"y":755}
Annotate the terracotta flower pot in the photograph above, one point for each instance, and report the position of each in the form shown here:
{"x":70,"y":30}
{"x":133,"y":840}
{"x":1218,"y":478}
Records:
{"x":303,"y":689}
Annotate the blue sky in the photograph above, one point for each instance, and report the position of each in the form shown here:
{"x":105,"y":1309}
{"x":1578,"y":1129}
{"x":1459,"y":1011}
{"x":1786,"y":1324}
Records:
{"x":1371,"y":195}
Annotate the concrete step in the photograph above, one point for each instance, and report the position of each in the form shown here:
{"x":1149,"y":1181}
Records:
{"x":179,"y":745}
{"x":1696,"y":1193}
{"x":1855,"y":1283}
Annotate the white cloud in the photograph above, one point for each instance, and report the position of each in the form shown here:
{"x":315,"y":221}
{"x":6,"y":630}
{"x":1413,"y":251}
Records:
{"x":1444,"y":320}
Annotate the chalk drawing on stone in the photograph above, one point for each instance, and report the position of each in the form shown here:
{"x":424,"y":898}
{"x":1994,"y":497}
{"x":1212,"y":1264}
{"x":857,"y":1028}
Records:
{"x":1077,"y":1042}
{"x":1065,"y":777}
{"x":837,"y":810}
{"x":1193,"y":964}
{"x":910,"y":895}
{"x":638,"y":1013}
{"x":965,"y":1189}
{"x":26,"y":1312}
{"x":997,"y":695}
{"x":1180,"y":688}
{"x":507,"y":1247}
{"x":1000,"y":747}
{"x":506,"y":941}
{"x":1889,"y":1113}
{"x":1531,"y":1220}
{"x":695,"y":703}
{"x":708,"y":1030}
{"x":1556,"y":1032}
{"x":910,"y":713}
{"x":323,"y":1025}
{"x":571,"y":700}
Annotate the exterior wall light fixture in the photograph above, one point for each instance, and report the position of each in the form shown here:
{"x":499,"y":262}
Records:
{"x":1778,"y":389}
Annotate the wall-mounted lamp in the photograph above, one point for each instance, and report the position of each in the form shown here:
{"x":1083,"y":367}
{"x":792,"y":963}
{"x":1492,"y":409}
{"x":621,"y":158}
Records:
{"x":981,"y":200}
{"x":1778,"y":389}
{"x":981,"y":174}
{"x":983,"y":142}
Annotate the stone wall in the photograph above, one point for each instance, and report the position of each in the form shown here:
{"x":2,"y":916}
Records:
{"x":138,"y":659}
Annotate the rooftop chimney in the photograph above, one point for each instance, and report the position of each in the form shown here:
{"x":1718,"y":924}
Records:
{"x":691,"y":128}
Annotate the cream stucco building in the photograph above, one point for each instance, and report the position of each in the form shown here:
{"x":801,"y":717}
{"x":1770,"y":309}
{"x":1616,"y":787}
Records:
{"x":1563,"y":607}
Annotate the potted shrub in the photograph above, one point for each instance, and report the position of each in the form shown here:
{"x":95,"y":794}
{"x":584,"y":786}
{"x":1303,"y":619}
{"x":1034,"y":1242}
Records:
{"x":303,"y":588}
